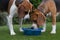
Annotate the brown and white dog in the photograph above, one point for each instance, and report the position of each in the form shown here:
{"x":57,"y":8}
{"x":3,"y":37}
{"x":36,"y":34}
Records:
{"x":46,"y":6}
{"x":11,"y":7}
{"x":52,"y":6}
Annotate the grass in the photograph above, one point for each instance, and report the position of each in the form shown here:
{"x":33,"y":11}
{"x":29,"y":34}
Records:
{"x":4,"y":34}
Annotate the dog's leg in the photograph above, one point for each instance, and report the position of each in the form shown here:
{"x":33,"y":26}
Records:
{"x":21,"y":20}
{"x":12,"y":11}
{"x":9,"y":19}
{"x":53,"y":24}
{"x":53,"y":11}
{"x":52,"y":8}
{"x":53,"y":29}
{"x":20,"y":23}
{"x":44,"y":27}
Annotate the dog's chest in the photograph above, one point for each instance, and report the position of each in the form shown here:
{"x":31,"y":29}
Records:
{"x":57,"y":2}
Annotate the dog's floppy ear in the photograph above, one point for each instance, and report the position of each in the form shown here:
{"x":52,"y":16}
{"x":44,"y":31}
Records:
{"x":41,"y":19}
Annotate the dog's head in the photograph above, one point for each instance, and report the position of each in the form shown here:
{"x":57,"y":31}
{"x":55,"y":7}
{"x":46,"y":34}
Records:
{"x":37,"y":17}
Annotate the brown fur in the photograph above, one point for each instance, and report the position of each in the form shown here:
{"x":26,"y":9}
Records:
{"x":24,"y":8}
{"x":38,"y":17}
{"x":49,"y":6}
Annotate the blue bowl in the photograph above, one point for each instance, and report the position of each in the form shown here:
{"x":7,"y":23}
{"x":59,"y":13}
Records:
{"x":29,"y":31}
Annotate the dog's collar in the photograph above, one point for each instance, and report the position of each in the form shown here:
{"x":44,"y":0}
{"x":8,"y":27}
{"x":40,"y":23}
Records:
{"x":42,"y":11}
{"x":18,"y":2}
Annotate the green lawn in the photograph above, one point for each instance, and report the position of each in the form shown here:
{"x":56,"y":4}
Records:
{"x":4,"y":34}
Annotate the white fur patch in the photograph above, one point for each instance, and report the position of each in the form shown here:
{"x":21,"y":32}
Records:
{"x":57,"y":14}
{"x":34,"y":26}
{"x":13,"y":10}
{"x":53,"y":29}
{"x":44,"y":27}
{"x":49,"y":14}
{"x":27,"y":16}
{"x":21,"y":30}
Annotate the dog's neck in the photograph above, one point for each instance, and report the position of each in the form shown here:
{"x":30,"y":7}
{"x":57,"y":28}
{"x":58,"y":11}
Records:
{"x":41,"y":10}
